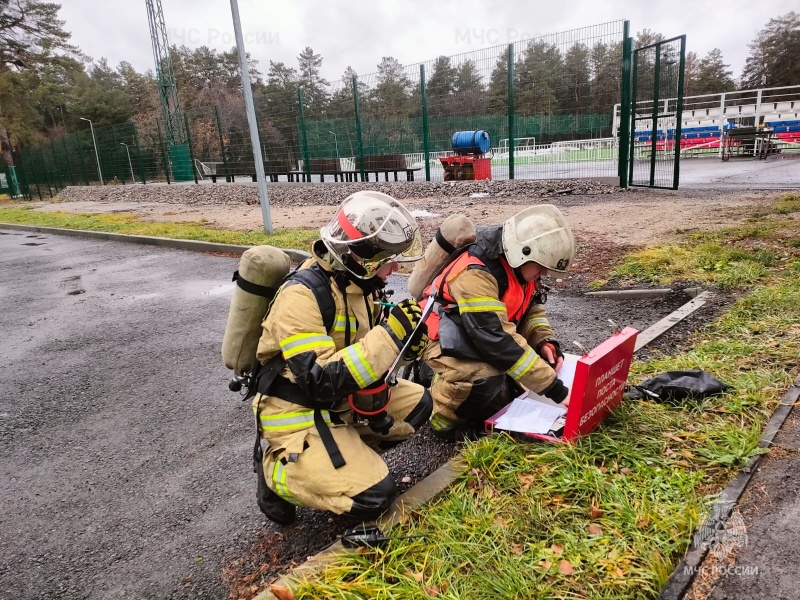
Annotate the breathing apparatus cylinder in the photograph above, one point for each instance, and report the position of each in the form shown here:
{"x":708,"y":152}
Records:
{"x":261,"y":271}
{"x":455,"y":231}
{"x":370,"y":403}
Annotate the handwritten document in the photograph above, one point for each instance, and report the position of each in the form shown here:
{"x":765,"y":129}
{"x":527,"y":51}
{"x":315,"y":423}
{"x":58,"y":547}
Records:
{"x":532,"y":413}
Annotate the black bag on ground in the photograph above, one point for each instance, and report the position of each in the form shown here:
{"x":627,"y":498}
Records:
{"x":676,"y":386}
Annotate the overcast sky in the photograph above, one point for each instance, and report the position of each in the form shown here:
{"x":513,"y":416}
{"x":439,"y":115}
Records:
{"x":360,"y":32}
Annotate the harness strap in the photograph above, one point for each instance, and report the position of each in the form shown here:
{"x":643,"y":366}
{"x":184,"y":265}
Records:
{"x":328,"y":441}
{"x":443,"y":243}
{"x":253,"y":288}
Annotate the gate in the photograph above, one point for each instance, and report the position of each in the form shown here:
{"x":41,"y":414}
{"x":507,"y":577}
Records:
{"x":656,"y":113}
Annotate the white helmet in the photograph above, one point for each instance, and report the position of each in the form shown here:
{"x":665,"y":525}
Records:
{"x":369,"y":230}
{"x":539,"y":234}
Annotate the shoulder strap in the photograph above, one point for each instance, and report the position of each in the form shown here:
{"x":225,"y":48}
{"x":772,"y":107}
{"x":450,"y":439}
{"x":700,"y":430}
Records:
{"x":318,"y":281}
{"x":495,"y":269}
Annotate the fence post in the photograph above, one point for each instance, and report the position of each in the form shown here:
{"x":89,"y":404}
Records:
{"x":164,"y":161}
{"x":191,"y":149}
{"x":679,"y":116}
{"x":304,"y":134}
{"x":59,"y":183}
{"x":511,"y":111}
{"x":115,"y":154}
{"x":69,"y":162}
{"x":222,"y":144}
{"x":84,"y":171}
{"x":425,"y":131}
{"x":625,"y":107}
{"x":654,"y":114}
{"x":358,"y":130}
{"x":138,"y":154}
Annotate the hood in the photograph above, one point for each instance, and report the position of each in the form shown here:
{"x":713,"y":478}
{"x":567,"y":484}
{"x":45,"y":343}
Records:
{"x":490,"y":240}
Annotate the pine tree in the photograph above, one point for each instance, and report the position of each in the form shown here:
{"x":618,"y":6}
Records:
{"x":575,"y":96}
{"x":774,"y":58}
{"x":391,"y":95}
{"x":713,"y":75}
{"x":315,"y":94}
{"x":497,"y":92}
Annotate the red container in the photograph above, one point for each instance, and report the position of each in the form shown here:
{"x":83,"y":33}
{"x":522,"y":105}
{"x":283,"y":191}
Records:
{"x":466,"y":167}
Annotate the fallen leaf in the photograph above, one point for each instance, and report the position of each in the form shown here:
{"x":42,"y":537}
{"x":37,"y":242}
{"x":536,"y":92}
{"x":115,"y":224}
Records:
{"x":557,"y":549}
{"x":642,"y":523}
{"x":545,"y":564}
{"x":281,"y":593}
{"x":565,"y":567}
{"x":603,"y":469}
{"x":433,"y":590}
{"x":594,"y":529}
{"x":500,"y":522}
{"x":625,"y":471}
{"x":596,"y":512}
{"x":526,"y":479}
{"x":518,"y":549}
{"x":416,"y":576}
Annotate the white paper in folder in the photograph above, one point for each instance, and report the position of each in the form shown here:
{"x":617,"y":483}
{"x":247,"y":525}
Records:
{"x":532,"y":413}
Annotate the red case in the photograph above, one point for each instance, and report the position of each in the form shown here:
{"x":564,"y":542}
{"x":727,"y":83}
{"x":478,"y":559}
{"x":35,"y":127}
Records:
{"x":600,"y":378}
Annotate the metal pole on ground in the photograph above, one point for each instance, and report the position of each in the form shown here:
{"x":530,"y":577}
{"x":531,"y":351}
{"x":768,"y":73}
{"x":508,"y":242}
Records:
{"x":625,"y":107}
{"x":138,"y":154}
{"x":191,"y":149}
{"x":96,"y":155}
{"x":251,"y":119}
{"x":130,"y":163}
{"x":511,"y":111}
{"x":222,"y":145}
{"x":304,"y":134}
{"x":358,"y":130}
{"x":425,"y":128}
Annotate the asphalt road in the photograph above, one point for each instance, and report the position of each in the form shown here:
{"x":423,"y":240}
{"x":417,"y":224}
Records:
{"x":124,"y":459}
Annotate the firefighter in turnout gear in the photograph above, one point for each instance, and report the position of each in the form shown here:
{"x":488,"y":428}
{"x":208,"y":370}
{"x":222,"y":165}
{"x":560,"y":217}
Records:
{"x":323,"y":408}
{"x":490,"y":337}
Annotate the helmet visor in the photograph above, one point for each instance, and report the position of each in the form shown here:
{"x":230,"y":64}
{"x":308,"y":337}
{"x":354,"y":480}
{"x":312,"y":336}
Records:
{"x":393,"y":237}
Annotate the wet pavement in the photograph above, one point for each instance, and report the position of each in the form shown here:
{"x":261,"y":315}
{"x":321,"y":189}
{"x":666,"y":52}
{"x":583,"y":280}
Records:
{"x":125,"y":459}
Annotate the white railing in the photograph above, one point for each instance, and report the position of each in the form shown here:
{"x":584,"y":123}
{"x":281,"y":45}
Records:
{"x":745,"y":106}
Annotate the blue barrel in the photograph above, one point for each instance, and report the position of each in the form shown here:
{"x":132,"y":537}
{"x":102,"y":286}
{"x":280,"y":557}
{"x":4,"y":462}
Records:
{"x":470,"y":142}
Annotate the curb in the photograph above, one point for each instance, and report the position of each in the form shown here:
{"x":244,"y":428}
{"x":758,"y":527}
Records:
{"x":175,"y":244}
{"x":686,"y":570}
{"x":628,"y":294}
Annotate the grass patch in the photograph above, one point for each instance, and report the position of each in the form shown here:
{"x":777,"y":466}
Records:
{"x":128,"y":223}
{"x":734,"y":257}
{"x":609,"y":516}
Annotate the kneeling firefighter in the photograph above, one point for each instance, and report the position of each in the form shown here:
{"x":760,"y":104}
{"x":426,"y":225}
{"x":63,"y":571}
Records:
{"x":491,"y":333}
{"x":323,"y":407}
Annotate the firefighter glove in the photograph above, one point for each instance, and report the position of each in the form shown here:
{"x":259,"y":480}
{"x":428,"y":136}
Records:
{"x":555,"y":348}
{"x":556,"y":391}
{"x":418,"y":344}
{"x":403,"y":319}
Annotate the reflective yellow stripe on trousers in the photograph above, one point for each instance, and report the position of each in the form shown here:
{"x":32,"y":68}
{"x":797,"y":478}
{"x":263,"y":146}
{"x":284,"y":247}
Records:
{"x":279,"y":479}
{"x":289,"y":421}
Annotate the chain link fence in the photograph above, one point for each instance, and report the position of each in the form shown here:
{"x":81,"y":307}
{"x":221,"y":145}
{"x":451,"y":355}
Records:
{"x":547,"y":104}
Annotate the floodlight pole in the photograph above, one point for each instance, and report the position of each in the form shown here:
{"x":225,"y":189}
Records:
{"x":96,"y":155}
{"x":336,"y":141}
{"x":130,"y":164}
{"x":251,"y":118}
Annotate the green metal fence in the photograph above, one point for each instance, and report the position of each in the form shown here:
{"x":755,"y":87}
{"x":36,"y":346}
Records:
{"x":547,"y":103}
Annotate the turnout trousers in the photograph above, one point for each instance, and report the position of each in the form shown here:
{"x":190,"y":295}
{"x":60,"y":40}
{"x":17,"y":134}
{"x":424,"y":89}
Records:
{"x":298,"y":467}
{"x":465,"y":391}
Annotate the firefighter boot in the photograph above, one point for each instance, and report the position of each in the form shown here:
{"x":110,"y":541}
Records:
{"x":273,"y":506}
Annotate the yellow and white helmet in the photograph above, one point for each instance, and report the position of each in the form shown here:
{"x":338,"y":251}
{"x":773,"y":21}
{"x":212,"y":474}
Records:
{"x":369,"y":230}
{"x":539,"y":234}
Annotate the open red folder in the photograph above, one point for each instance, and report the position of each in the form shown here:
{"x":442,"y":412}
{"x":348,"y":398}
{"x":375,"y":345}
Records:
{"x":600,"y":377}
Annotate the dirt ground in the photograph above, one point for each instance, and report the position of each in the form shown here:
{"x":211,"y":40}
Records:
{"x":635,"y":217}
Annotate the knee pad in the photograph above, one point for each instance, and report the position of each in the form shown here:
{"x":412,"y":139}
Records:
{"x":476,"y":405}
{"x":421,"y":412}
{"x":369,"y":504}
